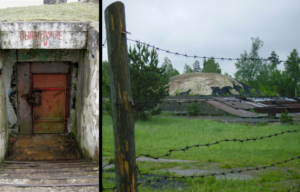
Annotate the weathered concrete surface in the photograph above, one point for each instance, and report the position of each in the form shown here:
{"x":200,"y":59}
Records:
{"x":54,"y":1}
{"x":47,"y":42}
{"x":88,"y":98}
{"x":9,"y":59}
{"x":3,"y":119}
{"x":35,"y":176}
{"x":43,"y":147}
{"x":202,"y":83}
{"x":43,"y":35}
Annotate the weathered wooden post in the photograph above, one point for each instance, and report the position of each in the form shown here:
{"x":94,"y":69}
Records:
{"x":121,"y":98}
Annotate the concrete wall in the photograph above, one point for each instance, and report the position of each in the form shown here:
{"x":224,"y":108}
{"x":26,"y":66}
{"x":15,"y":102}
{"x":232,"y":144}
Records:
{"x":87,"y":107}
{"x":3,"y":121}
{"x":77,"y":43}
{"x":44,"y":35}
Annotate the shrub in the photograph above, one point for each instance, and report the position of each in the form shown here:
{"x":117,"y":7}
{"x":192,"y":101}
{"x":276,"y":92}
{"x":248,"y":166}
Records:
{"x":286,"y":118}
{"x":156,"y":111}
{"x":107,"y":107}
{"x":194,"y":109}
{"x":253,"y":92}
{"x":241,"y":92}
{"x":143,"y":116}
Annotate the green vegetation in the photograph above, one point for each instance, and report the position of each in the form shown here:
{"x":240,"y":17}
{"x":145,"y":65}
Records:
{"x":210,"y":66}
{"x":148,"y":81}
{"x":286,"y":118}
{"x":241,"y":92}
{"x":187,"y":69}
{"x":253,"y":93}
{"x":107,"y":107}
{"x":194,"y":109}
{"x":59,"y":12}
{"x":157,"y":136}
{"x":105,"y":79}
{"x":264,"y":76}
{"x":169,"y":70}
{"x":162,"y":133}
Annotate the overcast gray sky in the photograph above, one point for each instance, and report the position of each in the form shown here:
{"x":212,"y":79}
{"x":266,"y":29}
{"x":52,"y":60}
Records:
{"x":219,"y":28}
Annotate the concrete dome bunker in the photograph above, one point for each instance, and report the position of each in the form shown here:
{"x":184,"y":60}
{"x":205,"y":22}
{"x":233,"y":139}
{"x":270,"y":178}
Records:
{"x":35,"y":50}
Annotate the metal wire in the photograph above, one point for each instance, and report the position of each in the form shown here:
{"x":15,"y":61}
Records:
{"x":217,"y":142}
{"x":170,"y":151}
{"x":212,"y":174}
{"x":103,"y":45}
{"x":204,"y":57}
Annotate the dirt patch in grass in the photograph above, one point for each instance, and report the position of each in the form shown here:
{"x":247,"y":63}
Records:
{"x":155,"y":185}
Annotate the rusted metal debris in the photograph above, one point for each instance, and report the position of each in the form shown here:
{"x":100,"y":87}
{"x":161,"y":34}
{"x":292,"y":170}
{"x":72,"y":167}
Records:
{"x":229,"y":109}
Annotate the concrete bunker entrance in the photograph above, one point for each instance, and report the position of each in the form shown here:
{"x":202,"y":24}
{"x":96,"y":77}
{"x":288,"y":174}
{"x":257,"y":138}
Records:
{"x":43,"y":99}
{"x":49,"y":75}
{"x":42,"y":95}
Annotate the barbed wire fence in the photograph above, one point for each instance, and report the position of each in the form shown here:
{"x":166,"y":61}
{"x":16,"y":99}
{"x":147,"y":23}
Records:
{"x":170,"y":151}
{"x":202,"y":57}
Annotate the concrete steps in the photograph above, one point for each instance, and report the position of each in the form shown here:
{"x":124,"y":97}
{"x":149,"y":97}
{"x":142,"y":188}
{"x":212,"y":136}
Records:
{"x":65,"y":175}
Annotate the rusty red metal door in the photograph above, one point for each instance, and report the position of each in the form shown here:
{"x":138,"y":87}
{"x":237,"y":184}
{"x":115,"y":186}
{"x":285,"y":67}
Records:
{"x":49,"y":103}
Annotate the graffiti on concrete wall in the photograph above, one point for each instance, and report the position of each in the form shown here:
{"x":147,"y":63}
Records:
{"x":40,"y":38}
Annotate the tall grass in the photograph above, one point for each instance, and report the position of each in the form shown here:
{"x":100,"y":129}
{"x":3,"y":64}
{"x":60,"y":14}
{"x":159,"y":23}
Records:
{"x":160,"y":134}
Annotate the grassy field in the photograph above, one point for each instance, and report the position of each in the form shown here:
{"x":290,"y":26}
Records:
{"x":58,"y":12}
{"x":161,"y":133}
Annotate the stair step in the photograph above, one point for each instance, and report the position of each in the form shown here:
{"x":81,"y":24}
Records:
{"x":94,"y":188}
{"x":31,"y":182}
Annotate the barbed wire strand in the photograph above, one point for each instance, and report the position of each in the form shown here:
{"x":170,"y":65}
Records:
{"x":213,"y":174}
{"x":221,"y":99}
{"x":168,"y":154}
{"x":103,"y":45}
{"x":204,"y":57}
{"x":215,"y":143}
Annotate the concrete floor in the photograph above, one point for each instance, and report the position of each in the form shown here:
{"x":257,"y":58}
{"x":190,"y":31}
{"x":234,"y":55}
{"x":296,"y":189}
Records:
{"x":42,"y":147}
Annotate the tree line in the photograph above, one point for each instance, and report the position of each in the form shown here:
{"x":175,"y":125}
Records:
{"x":265,"y":76}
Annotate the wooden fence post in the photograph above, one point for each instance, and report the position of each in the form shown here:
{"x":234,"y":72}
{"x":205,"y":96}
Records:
{"x":121,"y":98}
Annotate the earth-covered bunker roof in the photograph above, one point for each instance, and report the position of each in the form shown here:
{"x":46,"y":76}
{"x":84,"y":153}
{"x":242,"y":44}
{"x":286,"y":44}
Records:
{"x":77,"y":11}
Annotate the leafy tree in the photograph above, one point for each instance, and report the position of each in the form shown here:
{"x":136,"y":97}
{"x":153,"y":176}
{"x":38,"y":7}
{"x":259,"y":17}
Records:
{"x":292,"y":67}
{"x":187,"y":69}
{"x":196,"y":66}
{"x":226,"y":74}
{"x":274,"y":60}
{"x":170,"y":71}
{"x":210,"y":66}
{"x":105,"y":79}
{"x":148,"y":81}
{"x":248,"y":67}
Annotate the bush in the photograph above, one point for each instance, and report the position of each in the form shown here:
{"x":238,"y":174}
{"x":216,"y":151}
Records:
{"x":194,"y":109}
{"x":107,"y":107}
{"x":253,"y":92}
{"x":156,"y":111}
{"x":241,"y":92}
{"x":286,"y":118}
{"x":143,"y":116}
